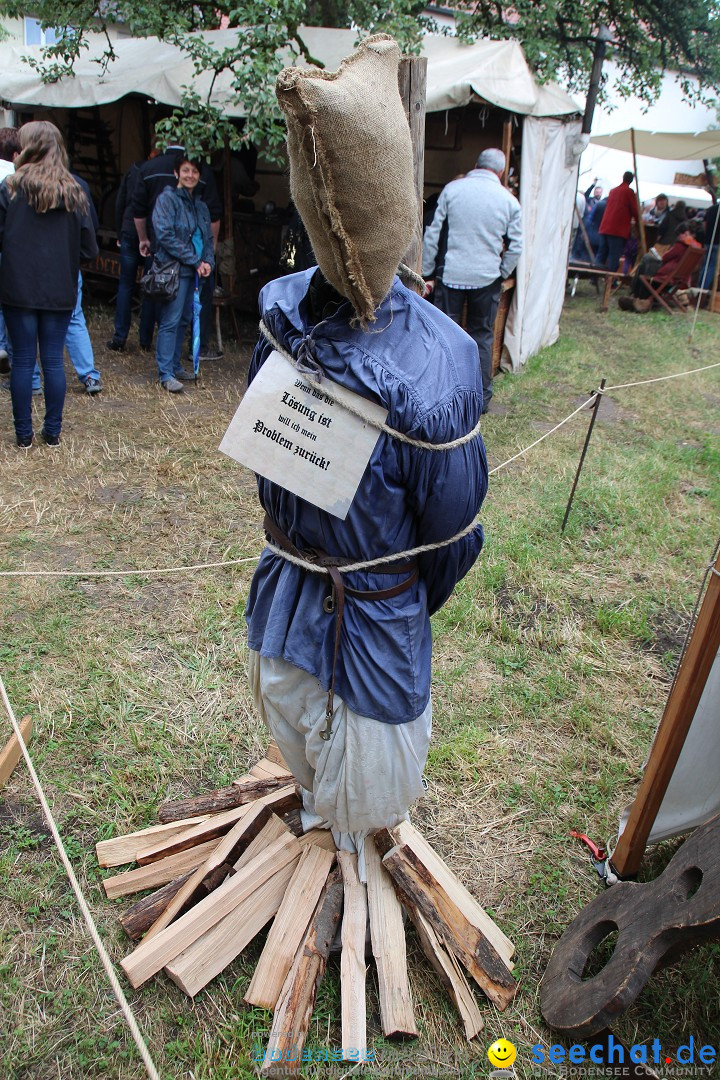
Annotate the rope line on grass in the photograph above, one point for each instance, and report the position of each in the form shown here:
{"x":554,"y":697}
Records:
{"x":82,"y":903}
{"x":367,"y":564}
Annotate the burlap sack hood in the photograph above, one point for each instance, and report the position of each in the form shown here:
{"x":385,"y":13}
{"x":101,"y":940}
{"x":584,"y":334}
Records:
{"x":351,"y":169}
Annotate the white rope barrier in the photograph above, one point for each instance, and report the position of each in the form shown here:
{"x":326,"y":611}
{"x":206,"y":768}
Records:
{"x":82,"y":903}
{"x":368,"y":564}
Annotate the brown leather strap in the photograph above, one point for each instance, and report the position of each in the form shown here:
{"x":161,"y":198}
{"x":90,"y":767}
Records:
{"x":336,"y":601}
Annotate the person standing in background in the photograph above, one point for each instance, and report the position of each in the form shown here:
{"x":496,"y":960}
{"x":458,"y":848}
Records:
{"x":621,"y":211}
{"x":43,"y":210}
{"x":484,"y":243}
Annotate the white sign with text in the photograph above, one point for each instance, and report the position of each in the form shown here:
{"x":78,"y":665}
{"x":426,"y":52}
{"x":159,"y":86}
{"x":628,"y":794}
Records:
{"x":292,"y":433}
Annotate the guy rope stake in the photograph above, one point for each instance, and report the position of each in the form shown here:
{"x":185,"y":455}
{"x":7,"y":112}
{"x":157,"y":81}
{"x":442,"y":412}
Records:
{"x":593,"y":418}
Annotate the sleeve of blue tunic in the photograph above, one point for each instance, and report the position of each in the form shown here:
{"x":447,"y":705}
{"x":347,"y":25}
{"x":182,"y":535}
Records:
{"x":445,"y":492}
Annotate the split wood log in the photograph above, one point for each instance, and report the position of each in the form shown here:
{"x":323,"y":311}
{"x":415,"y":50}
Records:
{"x":284,"y":799}
{"x":451,"y":975}
{"x":320,"y":838}
{"x":159,"y":873}
{"x":267,"y":769}
{"x":352,"y":959}
{"x":149,"y":957}
{"x":289,"y":926}
{"x":211,"y":827}
{"x":420,"y":890}
{"x":293,"y":821}
{"x":387,"y":934}
{"x":215,"y":802}
{"x":11,"y":753}
{"x":124,"y":849}
{"x":271,"y":831}
{"x":407,"y":834}
{"x":215,"y":869}
{"x":274,"y":754}
{"x":143,"y":913}
{"x":297,"y":997}
{"x":197,"y":965}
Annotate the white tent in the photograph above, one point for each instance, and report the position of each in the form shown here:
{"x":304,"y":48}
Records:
{"x":669,"y":145}
{"x":495,"y":72}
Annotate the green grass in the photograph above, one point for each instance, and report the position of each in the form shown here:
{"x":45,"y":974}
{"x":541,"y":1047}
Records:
{"x":552,"y":666}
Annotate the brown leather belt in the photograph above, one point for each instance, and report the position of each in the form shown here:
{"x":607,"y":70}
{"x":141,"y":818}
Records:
{"x":335,"y":601}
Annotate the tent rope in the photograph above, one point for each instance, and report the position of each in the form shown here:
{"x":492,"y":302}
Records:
{"x":82,"y":903}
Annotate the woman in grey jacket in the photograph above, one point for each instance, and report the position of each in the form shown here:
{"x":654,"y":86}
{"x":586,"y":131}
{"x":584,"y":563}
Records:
{"x":181,"y":221}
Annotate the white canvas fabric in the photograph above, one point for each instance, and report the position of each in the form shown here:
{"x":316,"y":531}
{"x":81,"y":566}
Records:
{"x":693,"y":794}
{"x":548,"y":186}
{"x":669,"y":145}
{"x":363,"y":778}
{"x":493,"y":70}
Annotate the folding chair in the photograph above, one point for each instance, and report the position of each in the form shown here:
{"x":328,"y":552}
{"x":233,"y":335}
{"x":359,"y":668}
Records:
{"x":660,"y":288}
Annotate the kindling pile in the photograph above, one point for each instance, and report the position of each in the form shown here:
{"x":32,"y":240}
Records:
{"x":225,"y":865}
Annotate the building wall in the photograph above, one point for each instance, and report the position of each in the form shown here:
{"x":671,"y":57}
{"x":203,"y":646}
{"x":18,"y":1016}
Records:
{"x":17,"y":31}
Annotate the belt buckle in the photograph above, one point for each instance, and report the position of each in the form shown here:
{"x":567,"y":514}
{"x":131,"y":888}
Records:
{"x":328,"y":604}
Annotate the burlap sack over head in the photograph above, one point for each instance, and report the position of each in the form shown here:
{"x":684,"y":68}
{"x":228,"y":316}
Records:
{"x":351,"y":169}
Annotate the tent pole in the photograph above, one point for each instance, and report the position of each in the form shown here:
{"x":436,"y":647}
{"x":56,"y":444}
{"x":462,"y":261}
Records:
{"x":713,"y":294}
{"x":412,"y":82}
{"x":641,"y":223}
{"x":682,"y":702}
{"x":593,"y":418}
{"x":507,"y":147}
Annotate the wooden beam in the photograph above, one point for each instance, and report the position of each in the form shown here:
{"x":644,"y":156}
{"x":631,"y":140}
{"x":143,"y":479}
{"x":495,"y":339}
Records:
{"x":149,"y":957}
{"x":507,"y":148}
{"x":274,"y":754}
{"x":215,"y":802}
{"x":143,"y":913}
{"x":123,"y":849}
{"x":297,"y":998}
{"x":676,"y":721}
{"x":407,"y":834}
{"x":412,"y":83}
{"x":197,"y":965}
{"x":289,"y":926}
{"x":352,"y":959}
{"x":265,"y":769}
{"x":213,"y":826}
{"x":11,"y":753}
{"x":387,"y":934}
{"x":450,"y":974}
{"x":217,"y":866}
{"x":421,"y":889}
{"x":641,"y":223}
{"x":156,"y":874}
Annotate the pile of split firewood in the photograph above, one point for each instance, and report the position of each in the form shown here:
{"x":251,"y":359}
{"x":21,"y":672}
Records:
{"x":225,"y":865}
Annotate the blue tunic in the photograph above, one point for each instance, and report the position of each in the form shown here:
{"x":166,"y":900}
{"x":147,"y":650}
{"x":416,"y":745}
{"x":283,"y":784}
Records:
{"x":424,"y":369}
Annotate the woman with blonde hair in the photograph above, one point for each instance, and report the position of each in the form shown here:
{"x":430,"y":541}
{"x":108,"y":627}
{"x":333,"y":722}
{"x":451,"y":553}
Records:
{"x":45,"y":231}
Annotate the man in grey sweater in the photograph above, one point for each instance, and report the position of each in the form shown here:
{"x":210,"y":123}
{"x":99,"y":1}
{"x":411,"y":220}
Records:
{"x":484,"y":242}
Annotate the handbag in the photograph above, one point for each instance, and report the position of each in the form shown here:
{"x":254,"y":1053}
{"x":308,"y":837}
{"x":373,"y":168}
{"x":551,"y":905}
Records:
{"x":162,"y":280}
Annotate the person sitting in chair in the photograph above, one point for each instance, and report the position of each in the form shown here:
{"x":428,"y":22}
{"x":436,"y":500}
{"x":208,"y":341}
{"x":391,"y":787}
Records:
{"x":653,"y":266}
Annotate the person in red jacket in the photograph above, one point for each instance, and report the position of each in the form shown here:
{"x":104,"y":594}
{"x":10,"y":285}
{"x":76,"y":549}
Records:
{"x":621,"y":210}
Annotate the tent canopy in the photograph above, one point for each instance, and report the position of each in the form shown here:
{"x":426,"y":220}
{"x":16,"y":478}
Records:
{"x":495,"y":71}
{"x":672,"y":146}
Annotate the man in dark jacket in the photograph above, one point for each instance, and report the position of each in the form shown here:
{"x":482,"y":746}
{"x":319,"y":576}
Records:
{"x":153,"y":177}
{"x":130,"y":261}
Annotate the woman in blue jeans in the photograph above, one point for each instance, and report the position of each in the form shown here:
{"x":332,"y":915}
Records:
{"x":45,"y":231}
{"x":181,"y":222}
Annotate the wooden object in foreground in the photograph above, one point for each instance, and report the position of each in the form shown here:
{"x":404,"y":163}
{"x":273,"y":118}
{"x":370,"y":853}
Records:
{"x":412,"y":84}
{"x":671,"y":734}
{"x":124,"y":849}
{"x":219,"y":864}
{"x":12,"y":753}
{"x":194,"y":968}
{"x":223,"y":799}
{"x":387,"y":933}
{"x":289,"y":926}
{"x":213,"y":826}
{"x":274,"y":754}
{"x":352,"y":959}
{"x":156,"y":874}
{"x":656,"y":921}
{"x":297,"y":997}
{"x":143,"y":913}
{"x":451,"y":975}
{"x":149,"y":957}
{"x":426,"y":884}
